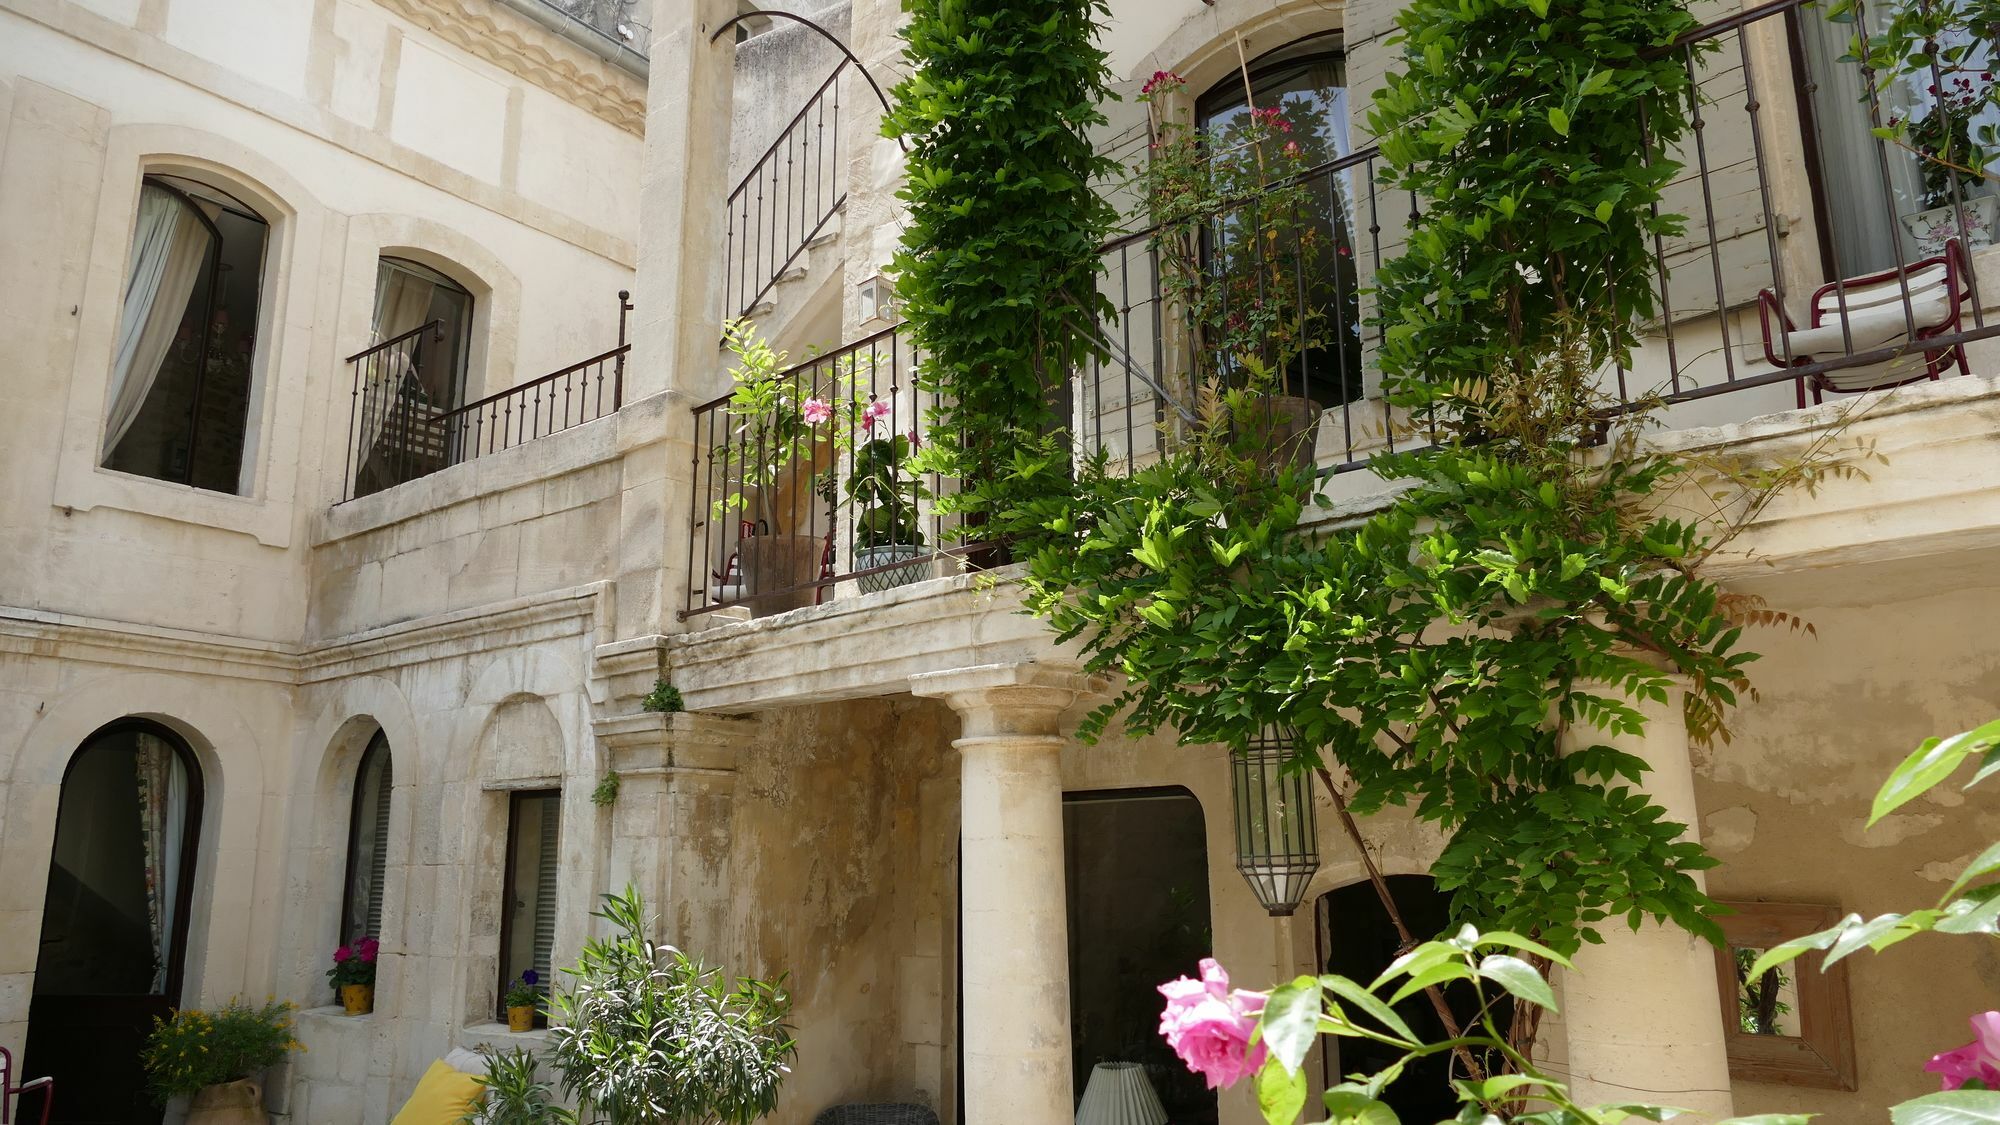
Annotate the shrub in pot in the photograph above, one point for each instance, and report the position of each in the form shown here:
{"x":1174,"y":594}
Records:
{"x":522,"y":999}
{"x":353,"y":975}
{"x":516,"y":1093}
{"x":887,"y":517}
{"x":215,"y":1058}
{"x":647,"y":1035}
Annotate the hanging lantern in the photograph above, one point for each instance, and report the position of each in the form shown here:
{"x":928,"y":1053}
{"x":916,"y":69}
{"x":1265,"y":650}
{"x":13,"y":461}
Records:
{"x":1277,"y":834}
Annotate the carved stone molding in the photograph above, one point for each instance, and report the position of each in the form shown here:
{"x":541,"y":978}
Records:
{"x":517,"y":46}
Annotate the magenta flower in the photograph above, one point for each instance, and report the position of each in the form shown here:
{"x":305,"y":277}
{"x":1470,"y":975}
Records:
{"x":816,"y":412}
{"x":342,"y":954}
{"x":366,"y":949}
{"x":1208,"y":1025}
{"x":873,"y":411}
{"x":1978,"y":1059}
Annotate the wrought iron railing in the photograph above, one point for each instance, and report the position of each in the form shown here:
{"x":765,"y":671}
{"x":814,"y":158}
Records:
{"x":785,"y":200}
{"x":397,"y":433}
{"x":1788,"y":282}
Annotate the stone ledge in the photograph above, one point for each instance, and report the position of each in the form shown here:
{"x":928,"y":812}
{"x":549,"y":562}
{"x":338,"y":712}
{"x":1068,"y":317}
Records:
{"x":652,"y":741}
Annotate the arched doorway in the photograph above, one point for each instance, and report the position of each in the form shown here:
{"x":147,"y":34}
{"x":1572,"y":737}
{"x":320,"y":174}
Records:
{"x":114,"y":919}
{"x":1357,"y":940}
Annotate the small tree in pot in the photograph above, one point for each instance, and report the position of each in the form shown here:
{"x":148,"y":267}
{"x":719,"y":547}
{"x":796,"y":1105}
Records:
{"x":887,"y":520}
{"x":647,"y":1035}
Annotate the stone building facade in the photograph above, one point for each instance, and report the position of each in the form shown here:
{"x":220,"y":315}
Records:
{"x":880,"y":793}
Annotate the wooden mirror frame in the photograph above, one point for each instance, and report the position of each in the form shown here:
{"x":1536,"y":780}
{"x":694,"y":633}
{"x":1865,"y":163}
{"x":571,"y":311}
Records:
{"x":1822,"y":1054}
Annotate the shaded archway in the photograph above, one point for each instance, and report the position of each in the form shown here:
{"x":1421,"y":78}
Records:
{"x":113,"y":950}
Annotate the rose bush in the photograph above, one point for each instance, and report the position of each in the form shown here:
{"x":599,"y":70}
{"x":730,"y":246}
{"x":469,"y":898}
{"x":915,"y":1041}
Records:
{"x":1209,"y":1025}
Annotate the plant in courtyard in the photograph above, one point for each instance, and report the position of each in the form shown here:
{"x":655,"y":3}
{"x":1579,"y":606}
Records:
{"x":887,"y":512}
{"x":605,"y":793}
{"x":524,"y":992}
{"x":999,"y":261}
{"x":194,"y":1049}
{"x":354,"y":963}
{"x":664,"y":698}
{"x":782,"y":415}
{"x":647,"y":1035}
{"x":516,"y":1093}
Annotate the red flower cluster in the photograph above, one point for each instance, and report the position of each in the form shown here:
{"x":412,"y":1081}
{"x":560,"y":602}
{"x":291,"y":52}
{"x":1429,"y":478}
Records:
{"x":1159,"y":79}
{"x":1273,"y":117}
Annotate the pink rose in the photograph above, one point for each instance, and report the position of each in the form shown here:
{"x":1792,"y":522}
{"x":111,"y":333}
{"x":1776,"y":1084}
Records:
{"x":1978,"y":1059}
{"x":816,"y":412}
{"x":1208,"y":1025}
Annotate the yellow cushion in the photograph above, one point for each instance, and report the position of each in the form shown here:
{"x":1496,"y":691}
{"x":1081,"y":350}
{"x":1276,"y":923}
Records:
{"x":442,"y":1096}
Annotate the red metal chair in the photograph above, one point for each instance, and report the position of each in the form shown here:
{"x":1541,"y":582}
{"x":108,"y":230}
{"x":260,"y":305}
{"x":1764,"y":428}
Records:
{"x":10,"y":1093}
{"x":1858,"y":315}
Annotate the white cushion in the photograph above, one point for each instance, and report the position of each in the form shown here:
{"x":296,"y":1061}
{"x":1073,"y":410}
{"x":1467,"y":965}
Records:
{"x":465,"y":1060}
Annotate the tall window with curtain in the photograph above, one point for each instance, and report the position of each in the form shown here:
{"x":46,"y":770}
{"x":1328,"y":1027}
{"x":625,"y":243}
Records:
{"x":186,"y":341}
{"x":367,"y":844}
{"x":1306,"y":79}
{"x":528,"y":915}
{"x":422,"y":327}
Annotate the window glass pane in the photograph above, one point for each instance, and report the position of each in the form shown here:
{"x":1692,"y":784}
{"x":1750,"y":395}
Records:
{"x":367,"y":845}
{"x":186,"y":338}
{"x":528,"y":927}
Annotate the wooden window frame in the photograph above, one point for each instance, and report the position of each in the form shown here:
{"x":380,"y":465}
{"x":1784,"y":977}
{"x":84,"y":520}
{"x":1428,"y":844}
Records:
{"x":1822,"y":1054}
{"x":515,"y":797}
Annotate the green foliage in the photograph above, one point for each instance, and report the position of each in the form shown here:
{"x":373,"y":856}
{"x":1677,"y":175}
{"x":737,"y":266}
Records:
{"x":1936,"y":57}
{"x":1491,"y":965}
{"x":1971,"y":905}
{"x":1536,"y":133}
{"x":999,"y":263}
{"x":886,"y":501}
{"x":606,"y":791}
{"x":782,"y":413}
{"x":664,"y":698}
{"x":516,"y":1093}
{"x":525,"y":992}
{"x":194,"y":1049}
{"x":647,"y":1035}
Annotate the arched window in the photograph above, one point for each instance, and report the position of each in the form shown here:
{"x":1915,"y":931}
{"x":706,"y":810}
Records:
{"x":187,"y":337}
{"x":367,"y":844}
{"x":422,"y":328}
{"x":1306,"y":81}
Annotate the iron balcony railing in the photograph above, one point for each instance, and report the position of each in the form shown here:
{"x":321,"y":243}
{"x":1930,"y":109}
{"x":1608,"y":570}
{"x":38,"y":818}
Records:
{"x":789,"y":195}
{"x":1817,"y":259}
{"x":396,"y":433}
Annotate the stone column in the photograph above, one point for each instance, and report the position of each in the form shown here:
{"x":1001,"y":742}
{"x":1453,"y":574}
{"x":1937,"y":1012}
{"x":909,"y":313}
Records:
{"x":1641,"y":1011}
{"x":671,"y":826}
{"x":1013,"y":933}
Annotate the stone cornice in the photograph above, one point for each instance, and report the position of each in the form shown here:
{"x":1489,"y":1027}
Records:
{"x":518,"y":46}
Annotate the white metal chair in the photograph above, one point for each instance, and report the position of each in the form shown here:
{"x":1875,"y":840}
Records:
{"x":1894,"y":309}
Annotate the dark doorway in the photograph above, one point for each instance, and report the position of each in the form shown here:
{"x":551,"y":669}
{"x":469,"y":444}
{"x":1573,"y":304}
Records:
{"x":114,"y":922}
{"x":1357,"y":940}
{"x":1137,"y":883}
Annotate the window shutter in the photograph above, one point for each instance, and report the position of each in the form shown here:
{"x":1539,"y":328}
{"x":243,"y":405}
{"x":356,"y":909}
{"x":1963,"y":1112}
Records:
{"x":379,"y":861}
{"x":549,"y":860}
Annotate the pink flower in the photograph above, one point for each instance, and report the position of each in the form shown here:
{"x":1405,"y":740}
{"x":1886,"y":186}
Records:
{"x":1978,"y":1059}
{"x":816,"y":412}
{"x":873,"y":411}
{"x":1208,"y":1025}
{"x":1160,"y":78}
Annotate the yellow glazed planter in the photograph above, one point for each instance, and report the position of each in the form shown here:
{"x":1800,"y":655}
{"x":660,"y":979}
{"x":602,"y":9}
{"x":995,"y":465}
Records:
{"x":521,"y":1018}
{"x":231,"y":1103}
{"x":357,"y":999}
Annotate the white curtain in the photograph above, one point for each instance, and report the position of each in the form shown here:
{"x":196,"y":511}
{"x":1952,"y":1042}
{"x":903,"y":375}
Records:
{"x":402,"y":303}
{"x":168,"y":249}
{"x":162,"y":783}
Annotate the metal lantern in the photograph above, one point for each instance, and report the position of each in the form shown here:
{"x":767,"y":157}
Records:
{"x":878,"y":300}
{"x":1277,"y":833}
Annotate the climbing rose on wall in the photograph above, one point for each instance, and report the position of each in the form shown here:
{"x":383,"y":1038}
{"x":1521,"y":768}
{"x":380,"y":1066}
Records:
{"x":1208,"y":1025}
{"x":1977,"y":1061}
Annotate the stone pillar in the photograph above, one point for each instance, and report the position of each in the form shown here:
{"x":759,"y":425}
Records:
{"x":1013,"y":933}
{"x":671,"y":826}
{"x":1642,"y":1013}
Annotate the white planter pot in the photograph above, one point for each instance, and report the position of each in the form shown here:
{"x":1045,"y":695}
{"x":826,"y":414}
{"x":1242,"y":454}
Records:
{"x":1933,"y":228}
{"x":915,"y":566}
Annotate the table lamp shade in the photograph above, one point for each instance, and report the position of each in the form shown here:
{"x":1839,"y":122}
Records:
{"x":1119,"y":1094}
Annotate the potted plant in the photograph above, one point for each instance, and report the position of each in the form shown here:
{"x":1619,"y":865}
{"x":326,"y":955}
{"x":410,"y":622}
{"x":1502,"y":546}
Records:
{"x":214,"y":1057}
{"x":353,"y":975}
{"x":522,"y":1000}
{"x":886,"y":519}
{"x":1935,"y":58}
{"x":516,"y":1093}
{"x":649,"y":1035}
{"x":783,"y":416}
{"x":1253,"y":258}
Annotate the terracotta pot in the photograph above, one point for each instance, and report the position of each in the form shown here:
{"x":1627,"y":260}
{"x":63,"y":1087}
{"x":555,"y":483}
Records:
{"x":521,"y":1018}
{"x":357,"y":999}
{"x":778,"y":563}
{"x":231,"y":1103}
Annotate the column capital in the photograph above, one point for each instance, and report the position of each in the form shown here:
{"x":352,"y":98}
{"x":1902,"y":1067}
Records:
{"x":1023,"y":698}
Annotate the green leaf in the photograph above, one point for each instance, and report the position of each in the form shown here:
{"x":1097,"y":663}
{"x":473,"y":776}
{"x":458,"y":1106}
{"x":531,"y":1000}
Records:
{"x":1950,"y":1107}
{"x":1558,"y":120}
{"x":1987,"y":863}
{"x":1519,"y":978}
{"x":1291,"y":1021}
{"x":1516,"y":941}
{"x":1372,"y":1004}
{"x":1352,"y":1107}
{"x":1771,"y":1119}
{"x":1929,"y":764}
{"x":1281,"y":1092}
{"x":1786,"y":952}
